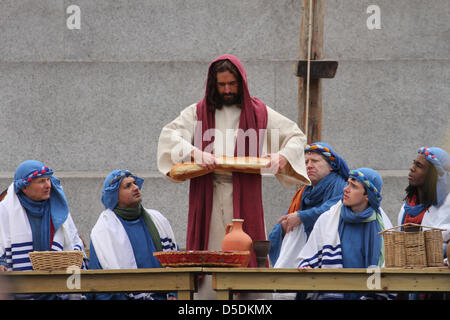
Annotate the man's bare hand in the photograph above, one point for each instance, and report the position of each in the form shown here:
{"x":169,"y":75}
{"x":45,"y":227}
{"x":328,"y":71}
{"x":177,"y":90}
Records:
{"x":277,"y":162}
{"x":289,"y":221}
{"x":3,"y":268}
{"x":205,"y":159}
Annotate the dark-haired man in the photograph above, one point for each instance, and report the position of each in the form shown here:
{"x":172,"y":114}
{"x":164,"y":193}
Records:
{"x":230,"y":122}
{"x":126,"y":234}
{"x":347,"y":235}
{"x":427,"y":200}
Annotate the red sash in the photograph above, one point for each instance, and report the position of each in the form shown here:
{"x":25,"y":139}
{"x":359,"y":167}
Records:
{"x":247,"y":188}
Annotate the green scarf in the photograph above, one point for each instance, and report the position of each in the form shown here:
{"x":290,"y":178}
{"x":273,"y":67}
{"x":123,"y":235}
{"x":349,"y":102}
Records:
{"x":130,"y":214}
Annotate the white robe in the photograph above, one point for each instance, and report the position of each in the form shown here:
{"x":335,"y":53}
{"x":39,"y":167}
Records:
{"x":16,"y":239}
{"x":177,"y":141}
{"x":112,"y":245}
{"x":323,"y":248}
{"x":282,"y":135}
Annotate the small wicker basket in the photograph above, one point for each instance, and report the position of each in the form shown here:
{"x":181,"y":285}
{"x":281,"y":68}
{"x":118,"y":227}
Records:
{"x":434,"y":249}
{"x":394,"y":243}
{"x":413,"y":249}
{"x":55,"y":260}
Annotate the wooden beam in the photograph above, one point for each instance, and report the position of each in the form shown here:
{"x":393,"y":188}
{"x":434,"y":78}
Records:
{"x":311,"y":115}
{"x":319,"y":69}
{"x":227,"y":280}
{"x":181,"y":280}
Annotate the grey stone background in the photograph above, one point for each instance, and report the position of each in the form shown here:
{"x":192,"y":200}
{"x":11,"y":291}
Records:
{"x":93,"y":100}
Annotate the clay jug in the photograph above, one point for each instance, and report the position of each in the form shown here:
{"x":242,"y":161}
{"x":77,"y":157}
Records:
{"x":236,"y":239}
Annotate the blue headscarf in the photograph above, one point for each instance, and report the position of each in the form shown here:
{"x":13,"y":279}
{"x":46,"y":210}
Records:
{"x":41,"y":213}
{"x":371,"y":218}
{"x":110,"y":193}
{"x":337,"y":163}
{"x":372,"y":182}
{"x":441,"y":161}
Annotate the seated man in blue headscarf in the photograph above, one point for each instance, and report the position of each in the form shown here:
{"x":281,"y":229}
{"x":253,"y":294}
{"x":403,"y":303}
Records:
{"x":126,"y":234}
{"x":34,"y":216}
{"x":347,"y":235}
{"x":328,"y":174}
{"x":427,"y":199}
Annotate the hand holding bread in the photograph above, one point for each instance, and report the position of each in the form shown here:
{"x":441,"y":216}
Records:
{"x":189,"y":170}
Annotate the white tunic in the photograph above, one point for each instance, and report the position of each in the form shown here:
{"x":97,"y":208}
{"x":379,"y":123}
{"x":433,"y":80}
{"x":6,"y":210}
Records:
{"x":282,"y":135}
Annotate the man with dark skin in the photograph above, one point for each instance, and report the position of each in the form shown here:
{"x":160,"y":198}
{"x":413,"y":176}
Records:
{"x":427,"y":192}
{"x":427,"y":200}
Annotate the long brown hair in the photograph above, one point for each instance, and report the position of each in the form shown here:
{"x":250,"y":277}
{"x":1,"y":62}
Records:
{"x":212,"y":95}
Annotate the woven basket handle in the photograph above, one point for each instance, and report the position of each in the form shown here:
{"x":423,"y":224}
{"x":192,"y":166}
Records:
{"x":410,"y":224}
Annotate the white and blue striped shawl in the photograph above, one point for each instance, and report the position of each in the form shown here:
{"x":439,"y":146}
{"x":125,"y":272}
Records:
{"x":16,"y":240}
{"x":113,"y":247}
{"x":16,"y":236}
{"x":323,"y":248}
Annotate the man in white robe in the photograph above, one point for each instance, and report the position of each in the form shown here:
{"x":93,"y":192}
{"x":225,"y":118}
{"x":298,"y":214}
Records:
{"x":229,"y":109}
{"x":126,"y":234}
{"x":34,"y":216}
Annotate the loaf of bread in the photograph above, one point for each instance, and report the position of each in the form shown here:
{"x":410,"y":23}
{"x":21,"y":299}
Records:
{"x":189,"y":170}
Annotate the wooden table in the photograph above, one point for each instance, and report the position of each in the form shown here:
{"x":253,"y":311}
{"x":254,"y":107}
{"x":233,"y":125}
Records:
{"x":227,"y":280}
{"x":181,"y":280}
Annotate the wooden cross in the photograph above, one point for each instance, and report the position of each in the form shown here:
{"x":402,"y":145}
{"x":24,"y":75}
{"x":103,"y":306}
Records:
{"x":311,"y":47}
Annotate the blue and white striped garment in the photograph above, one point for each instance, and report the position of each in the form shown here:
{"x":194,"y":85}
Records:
{"x":113,"y":247}
{"x":323,"y":250}
{"x":16,"y":237}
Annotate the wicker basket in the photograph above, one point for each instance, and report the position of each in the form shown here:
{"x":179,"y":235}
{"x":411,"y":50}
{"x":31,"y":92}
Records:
{"x":394,"y":243}
{"x":434,"y":249}
{"x":55,"y":260}
{"x":413,"y":249}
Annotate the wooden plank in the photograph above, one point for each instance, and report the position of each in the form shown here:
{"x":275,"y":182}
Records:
{"x":395,"y":280}
{"x":185,"y":295}
{"x":224,"y":295}
{"x":139,"y":280}
{"x":318,"y":69}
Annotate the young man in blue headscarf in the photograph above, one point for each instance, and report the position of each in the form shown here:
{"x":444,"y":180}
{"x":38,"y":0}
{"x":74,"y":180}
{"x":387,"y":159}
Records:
{"x":34,"y":216}
{"x":427,"y":198}
{"x":347,"y":235}
{"x":328,"y":173}
{"x":126,"y":234}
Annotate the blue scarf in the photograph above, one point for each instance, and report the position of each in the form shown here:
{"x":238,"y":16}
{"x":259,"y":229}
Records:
{"x":367,"y":236}
{"x":314,"y":196}
{"x":413,"y":211}
{"x":315,"y":201}
{"x":41,"y":213}
{"x":373,"y":251}
{"x":38,"y":213}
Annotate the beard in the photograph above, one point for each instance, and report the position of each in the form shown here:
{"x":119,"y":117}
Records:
{"x":229,"y":99}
